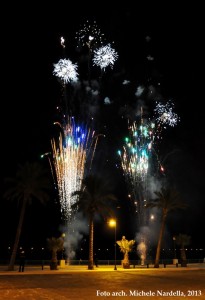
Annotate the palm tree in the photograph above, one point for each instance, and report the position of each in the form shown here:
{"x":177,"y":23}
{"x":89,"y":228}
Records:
{"x":93,"y":198}
{"x":30,"y":183}
{"x":183,"y":240}
{"x":125,"y":247}
{"x":55,"y":245}
{"x":167,"y":200}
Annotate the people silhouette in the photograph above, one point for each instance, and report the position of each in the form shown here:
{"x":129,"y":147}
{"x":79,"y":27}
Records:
{"x":22,"y":261}
{"x":96,"y":260}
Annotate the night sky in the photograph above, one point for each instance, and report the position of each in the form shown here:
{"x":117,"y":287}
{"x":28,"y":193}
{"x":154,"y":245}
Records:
{"x":30,"y":94}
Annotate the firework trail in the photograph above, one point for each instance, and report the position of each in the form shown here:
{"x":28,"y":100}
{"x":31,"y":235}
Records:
{"x":135,"y":163}
{"x":164,"y":116}
{"x":90,"y":36}
{"x":74,"y":149}
{"x":66,"y":71}
{"x":70,"y":155}
{"x":135,"y":158}
{"x":62,"y":41}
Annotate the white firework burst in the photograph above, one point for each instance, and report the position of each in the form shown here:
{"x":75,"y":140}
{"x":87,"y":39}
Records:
{"x":66,"y":70}
{"x":165,"y":114}
{"x":105,"y":56}
{"x":90,"y":35}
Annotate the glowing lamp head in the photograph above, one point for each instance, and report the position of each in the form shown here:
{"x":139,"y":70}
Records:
{"x":112,"y":223}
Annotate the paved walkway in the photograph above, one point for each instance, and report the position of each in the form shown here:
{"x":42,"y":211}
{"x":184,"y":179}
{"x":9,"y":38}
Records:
{"x":77,"y":282}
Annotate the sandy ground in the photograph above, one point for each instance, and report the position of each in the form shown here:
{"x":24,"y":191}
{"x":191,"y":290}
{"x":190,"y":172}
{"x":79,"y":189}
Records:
{"x":76,"y":282}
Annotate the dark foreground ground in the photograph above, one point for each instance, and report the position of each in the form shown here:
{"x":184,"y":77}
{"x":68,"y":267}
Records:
{"x":76,"y":282}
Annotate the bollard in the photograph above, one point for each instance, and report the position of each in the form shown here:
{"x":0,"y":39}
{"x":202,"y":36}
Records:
{"x":164,"y":265}
{"x":147,"y":265}
{"x":177,"y":265}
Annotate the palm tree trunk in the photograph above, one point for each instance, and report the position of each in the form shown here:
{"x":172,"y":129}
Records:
{"x":183,"y":257}
{"x":161,"y":233}
{"x":18,"y":233}
{"x":54,"y":260}
{"x":91,"y":233}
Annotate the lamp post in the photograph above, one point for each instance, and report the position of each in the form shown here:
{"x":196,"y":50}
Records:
{"x":63,"y":258}
{"x":174,"y":240}
{"x":113,"y":223}
{"x":175,"y":260}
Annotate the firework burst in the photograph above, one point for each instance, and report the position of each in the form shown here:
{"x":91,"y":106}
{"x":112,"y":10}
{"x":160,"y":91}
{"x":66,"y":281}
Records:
{"x":105,"y":56}
{"x":90,"y":35}
{"x":66,"y":71}
{"x":165,"y":115}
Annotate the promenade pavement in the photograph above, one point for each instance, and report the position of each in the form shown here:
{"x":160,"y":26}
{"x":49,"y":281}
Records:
{"x":77,"y":282}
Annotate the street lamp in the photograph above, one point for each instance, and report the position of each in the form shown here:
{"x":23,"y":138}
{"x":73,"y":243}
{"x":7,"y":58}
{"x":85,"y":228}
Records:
{"x":113,"y":223}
